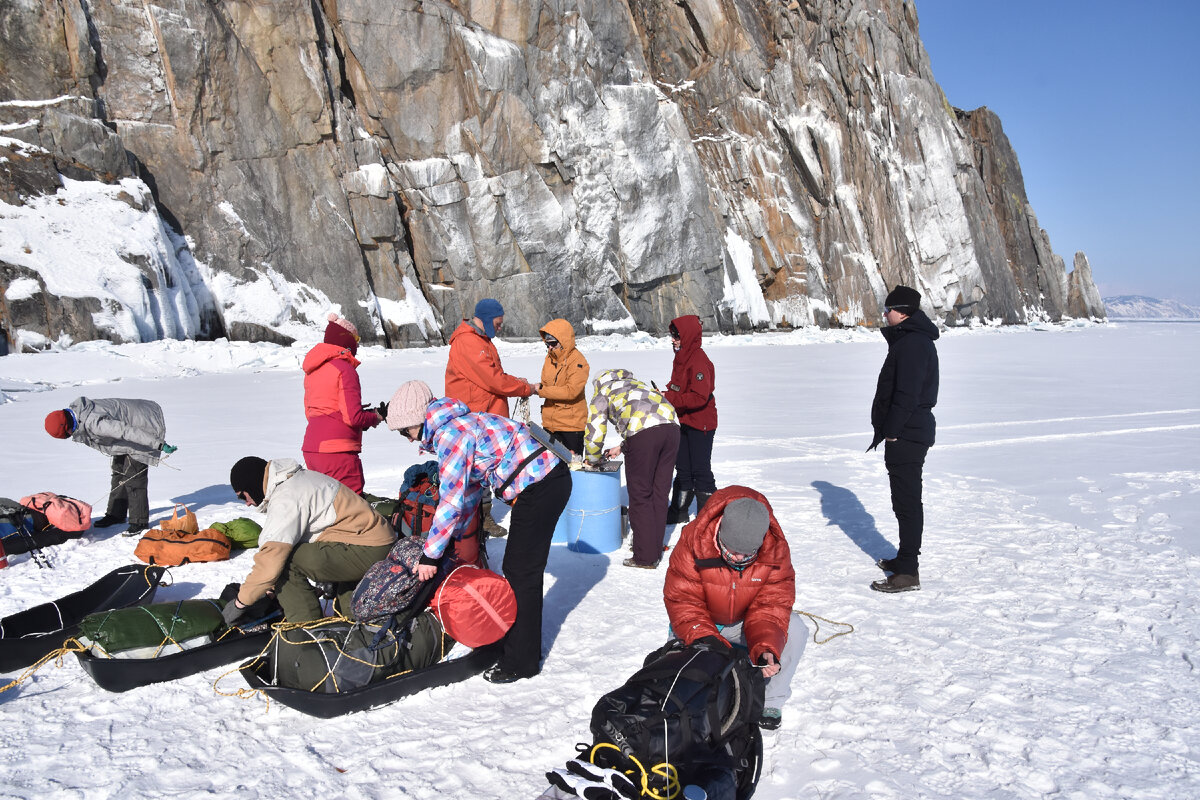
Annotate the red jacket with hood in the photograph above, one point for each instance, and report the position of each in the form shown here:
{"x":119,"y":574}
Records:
{"x":692,"y":378}
{"x":333,"y":401}
{"x":702,"y":591}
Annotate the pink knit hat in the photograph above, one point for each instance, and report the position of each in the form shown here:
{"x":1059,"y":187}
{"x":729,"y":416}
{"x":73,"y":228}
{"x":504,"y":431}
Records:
{"x":407,"y":406}
{"x":342,"y":333}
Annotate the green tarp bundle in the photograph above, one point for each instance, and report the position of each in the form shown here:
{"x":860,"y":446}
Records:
{"x":150,"y":626}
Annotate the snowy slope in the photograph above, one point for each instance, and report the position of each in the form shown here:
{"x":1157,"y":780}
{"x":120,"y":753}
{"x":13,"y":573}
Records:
{"x":1136,"y":306}
{"x":1050,"y":652}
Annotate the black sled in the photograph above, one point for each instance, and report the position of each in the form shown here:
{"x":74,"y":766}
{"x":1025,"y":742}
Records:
{"x":123,"y":674}
{"x":30,"y":634}
{"x":326,"y":706}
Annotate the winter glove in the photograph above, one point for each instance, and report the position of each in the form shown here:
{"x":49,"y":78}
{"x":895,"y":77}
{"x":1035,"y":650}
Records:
{"x":581,"y":779}
{"x":381,"y":410}
{"x":168,"y":449}
{"x":620,"y":785}
{"x":715,"y":642}
{"x":230,"y":592}
{"x":232,"y":612}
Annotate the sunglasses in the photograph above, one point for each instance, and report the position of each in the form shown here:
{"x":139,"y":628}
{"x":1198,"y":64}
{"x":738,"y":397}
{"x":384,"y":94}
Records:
{"x":550,"y":341}
{"x":412,"y":432}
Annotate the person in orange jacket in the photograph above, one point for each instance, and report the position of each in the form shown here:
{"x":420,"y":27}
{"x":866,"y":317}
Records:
{"x":333,"y":406}
{"x":473,"y":371}
{"x":564,"y":379}
{"x":731,"y":583}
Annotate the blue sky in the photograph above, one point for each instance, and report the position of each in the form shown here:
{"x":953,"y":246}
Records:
{"x":1101,"y":101}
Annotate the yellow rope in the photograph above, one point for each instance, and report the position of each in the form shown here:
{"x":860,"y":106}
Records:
{"x":664,"y":770}
{"x":818,"y":620}
{"x":69,"y":646}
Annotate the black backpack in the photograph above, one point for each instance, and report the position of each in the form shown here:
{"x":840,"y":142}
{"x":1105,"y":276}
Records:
{"x":693,"y":707}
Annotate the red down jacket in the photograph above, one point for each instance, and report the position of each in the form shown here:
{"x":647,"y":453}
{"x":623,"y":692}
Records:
{"x":690,"y":389}
{"x":702,"y":591}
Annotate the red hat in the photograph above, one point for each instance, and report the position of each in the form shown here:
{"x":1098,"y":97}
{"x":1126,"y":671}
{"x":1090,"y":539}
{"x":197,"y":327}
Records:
{"x":59,"y":424}
{"x":342,"y":333}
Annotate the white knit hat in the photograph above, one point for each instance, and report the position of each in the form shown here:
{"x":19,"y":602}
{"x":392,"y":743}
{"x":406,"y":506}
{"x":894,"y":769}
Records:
{"x":408,"y":404}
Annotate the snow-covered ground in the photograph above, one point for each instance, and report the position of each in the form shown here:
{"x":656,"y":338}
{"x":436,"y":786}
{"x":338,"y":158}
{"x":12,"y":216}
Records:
{"x":1049,"y":654}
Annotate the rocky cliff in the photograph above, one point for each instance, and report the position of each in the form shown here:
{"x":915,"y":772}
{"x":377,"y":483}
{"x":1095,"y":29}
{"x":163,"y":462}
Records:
{"x":755,"y":162}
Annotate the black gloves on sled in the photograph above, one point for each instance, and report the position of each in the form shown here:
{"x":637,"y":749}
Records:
{"x":232,"y":612}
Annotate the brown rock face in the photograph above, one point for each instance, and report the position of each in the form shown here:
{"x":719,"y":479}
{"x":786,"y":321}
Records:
{"x":614,"y":163}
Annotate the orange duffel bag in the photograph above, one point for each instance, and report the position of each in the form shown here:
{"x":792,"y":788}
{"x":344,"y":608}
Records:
{"x":172,"y":548}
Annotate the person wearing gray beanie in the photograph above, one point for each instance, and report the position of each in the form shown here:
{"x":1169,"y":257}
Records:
{"x":730,"y":583}
{"x":902,"y":417}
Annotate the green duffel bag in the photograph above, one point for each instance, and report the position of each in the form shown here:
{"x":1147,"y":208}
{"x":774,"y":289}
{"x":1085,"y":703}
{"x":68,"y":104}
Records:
{"x":242,"y":532}
{"x":331,"y":657}
{"x":150,"y":626}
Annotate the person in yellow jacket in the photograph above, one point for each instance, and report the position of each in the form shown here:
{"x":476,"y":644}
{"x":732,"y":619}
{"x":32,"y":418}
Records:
{"x":564,"y":379}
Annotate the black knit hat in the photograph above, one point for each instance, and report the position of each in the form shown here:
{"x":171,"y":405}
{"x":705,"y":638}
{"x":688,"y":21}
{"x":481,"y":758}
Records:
{"x":904,"y":299}
{"x":249,"y":475}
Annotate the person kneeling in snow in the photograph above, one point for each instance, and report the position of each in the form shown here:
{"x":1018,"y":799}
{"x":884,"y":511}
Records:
{"x":317,"y":529}
{"x":730,"y":582}
{"x":134,"y":434}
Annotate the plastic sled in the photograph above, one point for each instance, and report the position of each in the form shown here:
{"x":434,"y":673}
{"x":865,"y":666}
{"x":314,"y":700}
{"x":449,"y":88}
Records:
{"x":316,"y":704}
{"x":123,"y":674}
{"x":30,"y":634}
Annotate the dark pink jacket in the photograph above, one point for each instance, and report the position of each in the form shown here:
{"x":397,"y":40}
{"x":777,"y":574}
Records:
{"x":333,"y":402}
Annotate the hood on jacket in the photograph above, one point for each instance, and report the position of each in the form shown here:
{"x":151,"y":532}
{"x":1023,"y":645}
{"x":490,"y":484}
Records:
{"x":916,"y":322}
{"x":560,"y":329}
{"x":323,"y":353}
{"x":440,"y":412}
{"x":467,"y":328}
{"x":610,"y":379}
{"x":278,"y":471}
{"x":691,"y":331}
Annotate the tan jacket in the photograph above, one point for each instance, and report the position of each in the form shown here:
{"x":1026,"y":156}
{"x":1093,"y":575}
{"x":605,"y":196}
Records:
{"x":564,"y":380}
{"x":306,"y":506}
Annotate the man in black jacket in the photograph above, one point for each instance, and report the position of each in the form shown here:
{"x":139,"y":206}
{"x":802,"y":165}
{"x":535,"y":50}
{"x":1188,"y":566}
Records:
{"x":902,"y":416}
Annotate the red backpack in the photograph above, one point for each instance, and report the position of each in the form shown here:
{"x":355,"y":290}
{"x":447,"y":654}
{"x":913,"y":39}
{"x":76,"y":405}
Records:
{"x":65,"y":513}
{"x":417,"y":504}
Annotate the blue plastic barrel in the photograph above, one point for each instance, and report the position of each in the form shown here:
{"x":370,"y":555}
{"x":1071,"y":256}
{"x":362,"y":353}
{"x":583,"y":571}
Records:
{"x":591,"y":522}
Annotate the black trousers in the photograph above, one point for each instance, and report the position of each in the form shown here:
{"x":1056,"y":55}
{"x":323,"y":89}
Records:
{"x":904,"y":461}
{"x":572,"y":440}
{"x":127,"y":494}
{"x":531,"y":529}
{"x":693,"y":462}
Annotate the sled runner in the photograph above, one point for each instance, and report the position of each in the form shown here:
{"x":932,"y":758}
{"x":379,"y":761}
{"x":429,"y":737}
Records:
{"x":326,"y":706}
{"x":28,"y":635}
{"x":123,"y":674}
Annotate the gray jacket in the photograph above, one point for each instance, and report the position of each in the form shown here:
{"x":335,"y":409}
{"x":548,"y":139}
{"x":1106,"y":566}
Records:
{"x":119,"y":427}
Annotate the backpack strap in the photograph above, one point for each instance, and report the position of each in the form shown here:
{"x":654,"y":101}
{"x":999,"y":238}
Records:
{"x":508,"y":481}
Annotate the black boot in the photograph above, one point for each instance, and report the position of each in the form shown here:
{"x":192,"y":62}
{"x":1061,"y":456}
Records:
{"x":701,"y":499}
{"x":681,"y":499}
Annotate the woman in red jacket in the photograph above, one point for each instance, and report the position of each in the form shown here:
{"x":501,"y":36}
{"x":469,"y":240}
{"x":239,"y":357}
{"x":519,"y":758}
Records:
{"x":731,"y":583}
{"x":333,"y":406}
{"x":691,"y":392}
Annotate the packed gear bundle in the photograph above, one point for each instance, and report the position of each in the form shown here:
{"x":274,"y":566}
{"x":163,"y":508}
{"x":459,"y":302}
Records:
{"x":332,"y":655}
{"x":39,"y":521}
{"x":30,"y":634}
{"x":152,"y":630}
{"x":178,"y":540}
{"x":411,"y":514}
{"x":476,"y":606}
{"x":689,"y":716}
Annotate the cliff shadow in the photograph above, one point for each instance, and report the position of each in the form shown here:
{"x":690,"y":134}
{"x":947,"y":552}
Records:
{"x":843,"y":509}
